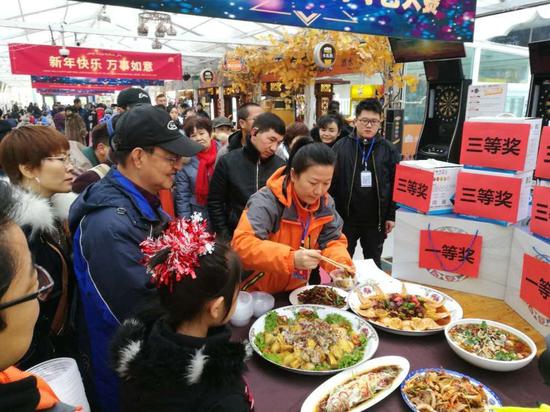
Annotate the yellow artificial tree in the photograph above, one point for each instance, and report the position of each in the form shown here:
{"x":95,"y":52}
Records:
{"x":290,"y":60}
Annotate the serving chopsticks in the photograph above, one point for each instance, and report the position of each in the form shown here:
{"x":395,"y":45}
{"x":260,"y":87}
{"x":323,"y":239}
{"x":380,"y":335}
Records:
{"x":339,"y":265}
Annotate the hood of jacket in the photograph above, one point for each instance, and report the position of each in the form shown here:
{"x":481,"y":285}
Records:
{"x":234,"y":140}
{"x":151,"y":355}
{"x":38,"y":214}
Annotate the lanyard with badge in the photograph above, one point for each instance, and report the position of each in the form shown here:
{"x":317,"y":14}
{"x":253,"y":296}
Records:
{"x":303,"y":273}
{"x":366,"y":175}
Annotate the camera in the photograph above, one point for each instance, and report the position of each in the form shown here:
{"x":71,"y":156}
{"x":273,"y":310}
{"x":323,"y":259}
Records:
{"x":64,"y":51}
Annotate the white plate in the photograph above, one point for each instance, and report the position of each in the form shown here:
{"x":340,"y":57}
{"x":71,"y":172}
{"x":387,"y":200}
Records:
{"x":358,"y":324}
{"x":310,"y":404}
{"x":450,"y":304}
{"x":491,"y":364}
{"x":492,"y":399}
{"x":295,"y":301}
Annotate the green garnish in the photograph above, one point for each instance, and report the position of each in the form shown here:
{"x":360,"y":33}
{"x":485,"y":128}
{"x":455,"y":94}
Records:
{"x":505,"y":356}
{"x":260,"y":341}
{"x":483,"y":325}
{"x":271,"y":321}
{"x":336,"y":319}
{"x":273,"y":357}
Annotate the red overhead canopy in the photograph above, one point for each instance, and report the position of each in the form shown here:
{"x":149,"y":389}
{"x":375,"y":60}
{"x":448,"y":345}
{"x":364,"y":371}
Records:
{"x":83,"y":62}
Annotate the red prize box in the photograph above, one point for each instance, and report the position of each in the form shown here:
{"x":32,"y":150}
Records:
{"x":490,"y":195}
{"x":425,"y":185}
{"x":543,"y":158}
{"x":540,"y":214}
{"x":535,"y":284}
{"x":495,"y":145}
{"x":452,"y":252}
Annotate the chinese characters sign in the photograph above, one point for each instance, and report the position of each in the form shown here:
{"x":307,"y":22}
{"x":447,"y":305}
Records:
{"x":543,"y":159}
{"x":422,"y":19}
{"x":487,"y":196}
{"x":497,"y":145}
{"x":84,"y":62}
{"x":535,"y":284}
{"x":540,"y":215}
{"x":452,"y":252}
{"x":413,"y":187}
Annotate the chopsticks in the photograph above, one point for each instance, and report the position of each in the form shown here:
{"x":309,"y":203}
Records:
{"x":339,"y":265}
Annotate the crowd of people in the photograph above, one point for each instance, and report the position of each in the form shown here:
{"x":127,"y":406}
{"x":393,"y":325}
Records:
{"x":124,"y":243}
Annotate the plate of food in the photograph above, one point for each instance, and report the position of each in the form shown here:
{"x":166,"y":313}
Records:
{"x":360,"y":387}
{"x":404,"y":308}
{"x":490,"y":345}
{"x":320,"y":295}
{"x":442,"y":390}
{"x":313,"y":339}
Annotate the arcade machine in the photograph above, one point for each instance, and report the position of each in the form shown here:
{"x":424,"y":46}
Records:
{"x":445,"y":112}
{"x":539,"y":91}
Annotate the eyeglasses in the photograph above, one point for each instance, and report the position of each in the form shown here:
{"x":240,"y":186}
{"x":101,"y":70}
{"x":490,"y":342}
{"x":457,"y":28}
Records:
{"x":66,"y":160}
{"x":173,"y":160}
{"x":366,"y":122}
{"x":45,"y":285}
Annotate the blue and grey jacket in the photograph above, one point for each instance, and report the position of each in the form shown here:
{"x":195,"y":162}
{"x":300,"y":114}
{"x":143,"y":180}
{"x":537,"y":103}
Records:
{"x":109,"y":220}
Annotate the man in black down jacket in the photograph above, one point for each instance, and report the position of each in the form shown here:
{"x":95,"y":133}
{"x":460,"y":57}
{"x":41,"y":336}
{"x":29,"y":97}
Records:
{"x":246,"y":115}
{"x":362,"y":185}
{"x":241,"y":173}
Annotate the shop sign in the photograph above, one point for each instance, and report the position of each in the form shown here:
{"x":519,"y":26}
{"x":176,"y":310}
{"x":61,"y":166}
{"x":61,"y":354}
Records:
{"x":207,"y":76}
{"x":324,"y":55}
{"x":421,"y":19}
{"x":452,"y":252}
{"x":495,"y":145}
{"x":43,"y":60}
{"x":535,"y":284}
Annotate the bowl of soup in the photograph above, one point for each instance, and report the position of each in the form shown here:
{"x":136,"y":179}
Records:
{"x":490,"y":345}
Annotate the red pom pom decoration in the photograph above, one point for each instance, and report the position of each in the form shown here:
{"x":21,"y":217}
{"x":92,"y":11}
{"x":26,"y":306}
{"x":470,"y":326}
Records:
{"x":184,"y":241}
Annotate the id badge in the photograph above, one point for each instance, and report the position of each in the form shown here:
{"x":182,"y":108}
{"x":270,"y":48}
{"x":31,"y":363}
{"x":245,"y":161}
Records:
{"x":366,"y":179}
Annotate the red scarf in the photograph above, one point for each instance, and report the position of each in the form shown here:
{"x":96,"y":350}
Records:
{"x":206,"y":169}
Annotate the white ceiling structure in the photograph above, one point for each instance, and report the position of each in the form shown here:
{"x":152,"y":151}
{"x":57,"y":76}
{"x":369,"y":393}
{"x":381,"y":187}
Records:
{"x":202,"y":41}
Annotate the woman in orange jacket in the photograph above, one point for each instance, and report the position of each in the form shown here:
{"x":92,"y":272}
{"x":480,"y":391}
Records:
{"x":291,"y":223}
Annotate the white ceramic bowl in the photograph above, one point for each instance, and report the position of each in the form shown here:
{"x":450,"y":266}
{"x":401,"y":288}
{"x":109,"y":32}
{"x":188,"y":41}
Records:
{"x":263,"y":302}
{"x":243,"y":311}
{"x":490,"y":364}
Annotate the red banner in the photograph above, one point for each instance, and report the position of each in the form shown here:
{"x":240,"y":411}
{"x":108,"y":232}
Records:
{"x":413,"y":187}
{"x":540,"y":214}
{"x":107,"y":88}
{"x":497,"y":145}
{"x":83,"y":62}
{"x":486,"y":196}
{"x":543,"y":159}
{"x":535,"y":284}
{"x":452,"y":252}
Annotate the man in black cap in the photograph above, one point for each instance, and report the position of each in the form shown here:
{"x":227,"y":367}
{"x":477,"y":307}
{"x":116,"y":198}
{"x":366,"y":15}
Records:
{"x":131,"y":96}
{"x":110,"y":219}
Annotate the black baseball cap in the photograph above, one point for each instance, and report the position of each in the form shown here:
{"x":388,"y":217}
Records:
{"x":132,"y":95}
{"x":146,"y":126}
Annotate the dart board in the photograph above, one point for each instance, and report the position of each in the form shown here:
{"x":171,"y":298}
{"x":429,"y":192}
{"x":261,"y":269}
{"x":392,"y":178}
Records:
{"x":447,"y":102}
{"x":544,"y":101}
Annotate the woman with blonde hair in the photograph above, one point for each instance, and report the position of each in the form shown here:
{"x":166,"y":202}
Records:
{"x":75,"y":129}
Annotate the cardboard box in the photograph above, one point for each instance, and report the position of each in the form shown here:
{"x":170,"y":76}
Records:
{"x":426,"y":186}
{"x":501,"y":198}
{"x":542,"y":170}
{"x":501,"y":143}
{"x":524,"y":243}
{"x":540,"y":212}
{"x":495,"y":253}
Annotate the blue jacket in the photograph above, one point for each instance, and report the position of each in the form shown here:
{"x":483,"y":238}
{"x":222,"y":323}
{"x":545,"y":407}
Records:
{"x":109,"y":220}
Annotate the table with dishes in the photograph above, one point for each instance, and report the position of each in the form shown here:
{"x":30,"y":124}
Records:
{"x":400,"y":346}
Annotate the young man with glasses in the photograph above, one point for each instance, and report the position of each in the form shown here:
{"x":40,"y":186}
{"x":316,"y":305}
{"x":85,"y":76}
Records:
{"x":111,"y":218}
{"x":362,"y":185}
